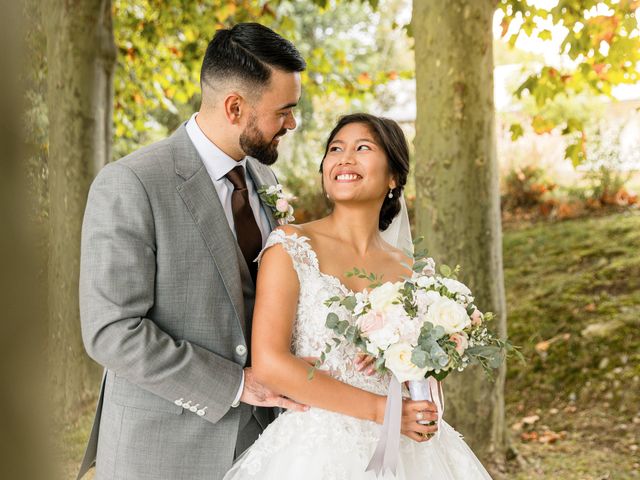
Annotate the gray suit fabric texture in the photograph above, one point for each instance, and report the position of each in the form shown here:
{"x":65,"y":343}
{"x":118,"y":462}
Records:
{"x":166,"y":299}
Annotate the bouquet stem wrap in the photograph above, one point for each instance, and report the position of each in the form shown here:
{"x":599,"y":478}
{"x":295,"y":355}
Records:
{"x":387,"y":450}
{"x":429,"y":389}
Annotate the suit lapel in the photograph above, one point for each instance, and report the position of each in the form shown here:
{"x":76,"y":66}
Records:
{"x":200,"y":197}
{"x":259,"y":178}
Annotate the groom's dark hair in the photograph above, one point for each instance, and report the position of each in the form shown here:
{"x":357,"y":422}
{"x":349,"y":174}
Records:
{"x":248,"y":52}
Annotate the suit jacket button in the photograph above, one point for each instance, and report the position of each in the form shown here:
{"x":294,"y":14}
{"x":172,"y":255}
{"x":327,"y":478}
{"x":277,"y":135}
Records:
{"x":187,"y":404}
{"x":241,"y":349}
{"x":201,"y":413}
{"x":194,"y":408}
{"x":178,"y":402}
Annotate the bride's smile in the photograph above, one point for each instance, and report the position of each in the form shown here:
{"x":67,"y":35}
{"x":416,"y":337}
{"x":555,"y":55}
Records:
{"x":355,"y":167}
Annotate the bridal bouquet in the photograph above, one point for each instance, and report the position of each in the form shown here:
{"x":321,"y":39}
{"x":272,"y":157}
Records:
{"x":420,"y":329}
{"x":424,"y":326}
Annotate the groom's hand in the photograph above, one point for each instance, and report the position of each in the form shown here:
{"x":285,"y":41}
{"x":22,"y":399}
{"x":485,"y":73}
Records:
{"x":365,"y":363}
{"x":254,"y":393}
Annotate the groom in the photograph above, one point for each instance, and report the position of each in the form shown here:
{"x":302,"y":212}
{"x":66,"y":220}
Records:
{"x":167,"y":280}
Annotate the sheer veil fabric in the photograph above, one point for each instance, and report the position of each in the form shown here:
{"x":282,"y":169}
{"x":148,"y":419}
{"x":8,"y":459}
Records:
{"x":398,"y":233}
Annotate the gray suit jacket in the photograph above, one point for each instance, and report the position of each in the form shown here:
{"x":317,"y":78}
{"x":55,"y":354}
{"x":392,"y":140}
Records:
{"x":165,"y":301}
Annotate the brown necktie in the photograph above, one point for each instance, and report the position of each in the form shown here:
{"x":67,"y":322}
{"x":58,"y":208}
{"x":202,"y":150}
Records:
{"x":247,"y":231}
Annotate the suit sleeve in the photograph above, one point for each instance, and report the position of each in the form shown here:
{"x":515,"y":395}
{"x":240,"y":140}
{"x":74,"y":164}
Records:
{"x":117,"y":272}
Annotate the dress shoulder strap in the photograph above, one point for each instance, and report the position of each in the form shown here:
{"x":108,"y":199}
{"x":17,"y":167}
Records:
{"x":297,"y":246}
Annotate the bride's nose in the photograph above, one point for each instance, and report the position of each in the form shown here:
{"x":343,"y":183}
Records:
{"x":348,"y":158}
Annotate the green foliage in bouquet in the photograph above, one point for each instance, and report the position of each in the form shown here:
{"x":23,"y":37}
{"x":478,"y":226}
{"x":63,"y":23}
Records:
{"x":435,"y":349}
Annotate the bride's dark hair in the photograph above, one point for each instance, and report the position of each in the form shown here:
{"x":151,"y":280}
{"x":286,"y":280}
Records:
{"x":390,"y":137}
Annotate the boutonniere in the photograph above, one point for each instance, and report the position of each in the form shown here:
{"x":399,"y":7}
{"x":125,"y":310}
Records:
{"x":279,"y":201}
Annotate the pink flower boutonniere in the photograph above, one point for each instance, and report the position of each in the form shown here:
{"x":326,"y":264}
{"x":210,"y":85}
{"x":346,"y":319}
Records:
{"x":279,"y":201}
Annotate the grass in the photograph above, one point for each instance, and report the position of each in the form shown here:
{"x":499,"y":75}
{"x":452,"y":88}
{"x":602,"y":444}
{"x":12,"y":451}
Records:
{"x":580,"y":392}
{"x":563,"y":280}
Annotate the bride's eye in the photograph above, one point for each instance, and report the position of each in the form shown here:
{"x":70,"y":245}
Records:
{"x":335,"y":149}
{"x":363,"y":147}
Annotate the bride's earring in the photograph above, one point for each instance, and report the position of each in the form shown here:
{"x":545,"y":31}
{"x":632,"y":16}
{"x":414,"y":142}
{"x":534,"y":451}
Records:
{"x":390,"y":193}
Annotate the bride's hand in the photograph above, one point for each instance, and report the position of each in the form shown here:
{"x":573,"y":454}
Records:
{"x":364,"y":363}
{"x":415,"y":411}
{"x":254,"y":393}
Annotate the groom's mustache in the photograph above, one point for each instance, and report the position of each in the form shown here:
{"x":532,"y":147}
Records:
{"x":279,"y":134}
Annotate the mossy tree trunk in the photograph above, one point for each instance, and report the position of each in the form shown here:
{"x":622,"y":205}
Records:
{"x":81,"y":59}
{"x":458,"y":204}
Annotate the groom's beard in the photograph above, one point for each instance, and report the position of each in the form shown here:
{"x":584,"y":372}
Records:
{"x":253,"y":143}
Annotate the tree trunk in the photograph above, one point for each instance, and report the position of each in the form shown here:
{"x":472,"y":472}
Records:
{"x":456,"y":171}
{"x":81,"y":58}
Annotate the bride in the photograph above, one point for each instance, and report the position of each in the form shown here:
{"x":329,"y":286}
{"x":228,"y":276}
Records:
{"x":364,"y":170}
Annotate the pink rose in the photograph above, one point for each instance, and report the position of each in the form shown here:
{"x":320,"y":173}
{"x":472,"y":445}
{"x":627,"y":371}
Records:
{"x":461,"y":342}
{"x":282,"y":205}
{"x":370,"y":322}
{"x":476,"y":318}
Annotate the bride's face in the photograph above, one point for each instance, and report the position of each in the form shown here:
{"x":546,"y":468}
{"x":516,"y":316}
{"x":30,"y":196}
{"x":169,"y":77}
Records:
{"x":355,"y":167}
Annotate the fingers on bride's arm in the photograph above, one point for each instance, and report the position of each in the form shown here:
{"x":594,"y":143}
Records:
{"x":274,"y":313}
{"x":365,"y":363}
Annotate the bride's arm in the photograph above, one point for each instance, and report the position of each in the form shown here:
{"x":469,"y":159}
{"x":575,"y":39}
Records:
{"x":276,"y":367}
{"x":272,"y":362}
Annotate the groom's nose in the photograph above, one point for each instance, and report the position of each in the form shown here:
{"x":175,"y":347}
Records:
{"x":290,"y":122}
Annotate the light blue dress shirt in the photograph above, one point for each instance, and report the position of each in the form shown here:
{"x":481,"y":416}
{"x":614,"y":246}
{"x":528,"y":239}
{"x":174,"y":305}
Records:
{"x":218,"y":164}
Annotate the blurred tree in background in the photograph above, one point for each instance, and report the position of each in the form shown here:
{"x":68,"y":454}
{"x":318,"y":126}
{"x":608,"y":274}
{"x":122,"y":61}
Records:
{"x":601,"y":40}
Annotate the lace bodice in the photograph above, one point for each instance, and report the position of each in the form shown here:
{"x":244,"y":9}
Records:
{"x":310,"y":335}
{"x":321,"y":445}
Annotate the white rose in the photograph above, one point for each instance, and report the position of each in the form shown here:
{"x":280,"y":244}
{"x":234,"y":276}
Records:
{"x":430,"y":267}
{"x":272,"y":189}
{"x":425,"y":282}
{"x":455,"y":286}
{"x":383,"y":296}
{"x":425,"y":299}
{"x":398,"y":360}
{"x":449,"y":314}
{"x":410,"y":330}
{"x":382,"y":338}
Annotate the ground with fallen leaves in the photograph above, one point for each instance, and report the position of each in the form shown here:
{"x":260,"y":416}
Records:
{"x":573,"y":295}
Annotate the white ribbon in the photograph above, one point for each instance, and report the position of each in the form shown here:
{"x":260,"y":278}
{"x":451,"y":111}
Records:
{"x":387,"y":450}
{"x":386,"y":454}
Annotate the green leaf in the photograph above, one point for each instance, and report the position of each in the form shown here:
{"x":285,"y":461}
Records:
{"x":419,"y":357}
{"x":516,"y":131}
{"x":575,"y":153}
{"x":342,"y":327}
{"x":332,"y":320}
{"x":349,"y":302}
{"x":445,"y":270}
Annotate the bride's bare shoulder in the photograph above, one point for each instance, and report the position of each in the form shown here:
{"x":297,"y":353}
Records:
{"x":290,"y":229}
{"x":309,"y":229}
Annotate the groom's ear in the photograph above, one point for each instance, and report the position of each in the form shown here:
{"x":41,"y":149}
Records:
{"x":233,"y":105}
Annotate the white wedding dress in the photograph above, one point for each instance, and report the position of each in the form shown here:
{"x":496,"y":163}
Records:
{"x":323,"y":445}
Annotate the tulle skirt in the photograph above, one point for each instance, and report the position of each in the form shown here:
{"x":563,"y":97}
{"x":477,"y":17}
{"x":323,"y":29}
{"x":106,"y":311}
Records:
{"x":322,"y":445}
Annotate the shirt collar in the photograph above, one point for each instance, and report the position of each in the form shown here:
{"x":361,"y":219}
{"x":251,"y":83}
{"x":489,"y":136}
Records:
{"x":217,"y":163}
